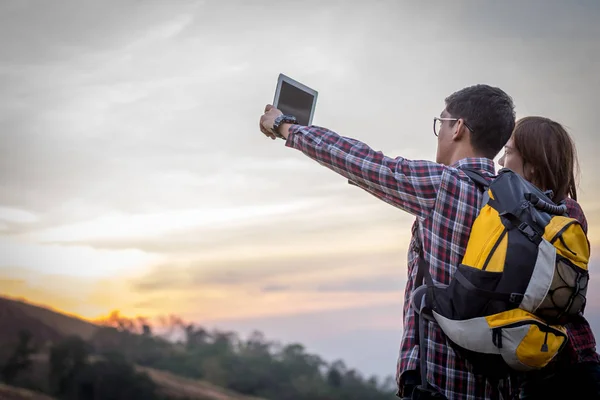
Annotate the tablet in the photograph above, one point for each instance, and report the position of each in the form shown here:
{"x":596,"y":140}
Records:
{"x":292,"y":97}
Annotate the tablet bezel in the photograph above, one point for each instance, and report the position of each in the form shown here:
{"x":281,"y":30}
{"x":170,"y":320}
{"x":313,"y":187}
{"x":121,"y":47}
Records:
{"x":284,"y":78}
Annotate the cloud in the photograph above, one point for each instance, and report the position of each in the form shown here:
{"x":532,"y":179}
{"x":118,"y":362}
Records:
{"x":52,"y":32}
{"x":307,"y":272}
{"x":275,"y":288}
{"x":373,"y":283}
{"x":15,"y":215}
{"x":208,"y":304}
{"x":78,"y":261}
{"x":265,"y":286}
{"x":120,"y":226}
{"x":377,"y":281}
{"x":133,"y":118}
{"x":537,"y":20}
{"x":305,"y":224}
{"x":99,"y":124}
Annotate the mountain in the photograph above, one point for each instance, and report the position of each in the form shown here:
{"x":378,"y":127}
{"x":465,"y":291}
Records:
{"x":42,"y":322}
{"x":14,"y":318}
{"x":120,"y":358}
{"x":47,"y":326}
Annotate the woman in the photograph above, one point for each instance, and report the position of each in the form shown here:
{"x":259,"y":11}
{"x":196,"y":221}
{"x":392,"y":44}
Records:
{"x":542,"y":152}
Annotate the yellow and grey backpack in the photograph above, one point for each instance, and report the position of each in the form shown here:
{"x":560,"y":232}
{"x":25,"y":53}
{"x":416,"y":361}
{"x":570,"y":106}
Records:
{"x":523,"y":274}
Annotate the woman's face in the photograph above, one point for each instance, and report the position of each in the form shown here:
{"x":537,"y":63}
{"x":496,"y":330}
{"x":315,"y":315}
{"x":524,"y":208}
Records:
{"x":511,"y":159}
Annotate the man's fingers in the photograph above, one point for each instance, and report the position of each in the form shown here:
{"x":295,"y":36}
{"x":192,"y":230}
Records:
{"x":262,"y":126}
{"x":264,"y":130}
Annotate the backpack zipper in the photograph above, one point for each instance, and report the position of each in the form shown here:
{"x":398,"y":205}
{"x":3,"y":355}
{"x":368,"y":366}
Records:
{"x":559,"y":236}
{"x":544,"y":327}
{"x":566,"y":247}
{"x":562,"y":230}
{"x":491,"y":253}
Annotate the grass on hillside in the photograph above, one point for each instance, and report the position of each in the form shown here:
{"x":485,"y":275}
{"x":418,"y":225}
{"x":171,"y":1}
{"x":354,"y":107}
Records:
{"x":64,"y":324}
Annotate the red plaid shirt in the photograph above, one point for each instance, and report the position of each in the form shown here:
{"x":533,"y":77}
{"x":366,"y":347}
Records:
{"x":445,"y":202}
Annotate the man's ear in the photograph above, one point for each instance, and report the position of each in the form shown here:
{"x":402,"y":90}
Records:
{"x":460,"y":131}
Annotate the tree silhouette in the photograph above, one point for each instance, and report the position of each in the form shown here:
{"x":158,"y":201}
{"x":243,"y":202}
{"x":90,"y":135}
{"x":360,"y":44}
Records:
{"x":74,"y":376}
{"x":104,"y":367}
{"x":20,"y":359}
{"x":67,"y":359}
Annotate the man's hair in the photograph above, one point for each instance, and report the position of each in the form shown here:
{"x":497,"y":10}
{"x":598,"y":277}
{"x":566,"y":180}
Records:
{"x":547,"y":147}
{"x":489,"y":112}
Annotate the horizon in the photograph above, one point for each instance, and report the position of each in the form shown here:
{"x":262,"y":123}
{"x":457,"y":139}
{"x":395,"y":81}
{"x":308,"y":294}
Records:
{"x":134,"y":176}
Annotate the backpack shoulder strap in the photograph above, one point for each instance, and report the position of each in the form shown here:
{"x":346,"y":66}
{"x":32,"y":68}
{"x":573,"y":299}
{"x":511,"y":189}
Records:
{"x":481,"y":182}
{"x":477,"y":177}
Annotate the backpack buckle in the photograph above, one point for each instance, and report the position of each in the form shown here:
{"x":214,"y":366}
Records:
{"x":528,"y":231}
{"x":516,"y":298}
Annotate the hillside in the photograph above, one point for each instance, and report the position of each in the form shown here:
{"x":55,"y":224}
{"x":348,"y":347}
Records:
{"x":176,"y":386}
{"x":13,"y":393}
{"x":14,"y":317}
{"x":62,"y":355}
{"x":43,"y":322}
{"x":47,"y":325}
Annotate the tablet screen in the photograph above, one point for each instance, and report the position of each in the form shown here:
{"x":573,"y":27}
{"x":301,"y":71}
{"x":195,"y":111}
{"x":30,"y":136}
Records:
{"x":296,"y":102}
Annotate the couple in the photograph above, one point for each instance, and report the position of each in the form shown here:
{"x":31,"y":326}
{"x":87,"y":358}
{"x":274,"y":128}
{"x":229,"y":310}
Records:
{"x":475,"y":125}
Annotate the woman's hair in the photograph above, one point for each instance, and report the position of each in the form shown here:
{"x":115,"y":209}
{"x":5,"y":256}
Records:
{"x":547,"y":147}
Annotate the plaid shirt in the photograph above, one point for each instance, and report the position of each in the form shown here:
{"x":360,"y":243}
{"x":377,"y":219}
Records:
{"x":445,"y":202}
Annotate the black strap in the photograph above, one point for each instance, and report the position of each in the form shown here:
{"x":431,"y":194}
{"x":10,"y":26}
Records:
{"x":423,"y":351}
{"x":422,"y":265}
{"x":420,"y":269}
{"x":422,"y":274}
{"x":424,"y":271}
{"x":477,"y":177}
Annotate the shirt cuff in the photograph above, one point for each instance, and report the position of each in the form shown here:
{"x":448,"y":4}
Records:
{"x":291,"y":133}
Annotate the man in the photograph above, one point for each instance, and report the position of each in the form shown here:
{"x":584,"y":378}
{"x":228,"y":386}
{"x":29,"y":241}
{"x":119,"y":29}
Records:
{"x":472,"y":129}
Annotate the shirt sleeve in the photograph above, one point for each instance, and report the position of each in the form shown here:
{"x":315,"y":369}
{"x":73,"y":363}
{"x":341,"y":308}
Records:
{"x":406,"y":184}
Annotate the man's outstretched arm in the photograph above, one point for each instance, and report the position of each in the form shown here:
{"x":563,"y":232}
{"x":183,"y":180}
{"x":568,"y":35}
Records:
{"x":409,"y":185}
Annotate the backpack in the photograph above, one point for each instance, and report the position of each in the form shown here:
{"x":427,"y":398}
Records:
{"x":523,"y":275}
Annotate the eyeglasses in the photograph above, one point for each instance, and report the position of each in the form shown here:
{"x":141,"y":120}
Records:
{"x":437,"y":124}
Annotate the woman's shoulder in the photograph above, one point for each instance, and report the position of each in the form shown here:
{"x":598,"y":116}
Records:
{"x":574,"y":210}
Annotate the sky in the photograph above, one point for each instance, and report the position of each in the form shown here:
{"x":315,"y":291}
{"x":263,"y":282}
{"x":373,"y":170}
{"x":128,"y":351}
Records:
{"x":133,"y":175}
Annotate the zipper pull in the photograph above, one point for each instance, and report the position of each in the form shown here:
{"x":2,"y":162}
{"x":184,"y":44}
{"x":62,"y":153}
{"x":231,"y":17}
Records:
{"x":545,"y":345}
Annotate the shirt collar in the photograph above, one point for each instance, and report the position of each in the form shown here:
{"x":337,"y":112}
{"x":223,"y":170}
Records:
{"x":479,"y":163}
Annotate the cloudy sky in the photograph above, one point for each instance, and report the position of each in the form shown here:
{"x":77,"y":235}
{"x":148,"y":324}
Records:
{"x":133,"y":175}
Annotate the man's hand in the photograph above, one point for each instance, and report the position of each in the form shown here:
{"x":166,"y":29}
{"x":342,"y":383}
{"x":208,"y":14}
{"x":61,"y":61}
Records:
{"x":268,"y":119}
